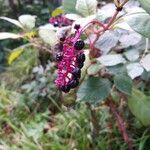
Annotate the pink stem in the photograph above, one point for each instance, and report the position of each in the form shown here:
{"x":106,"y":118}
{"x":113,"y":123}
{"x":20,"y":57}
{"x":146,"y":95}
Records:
{"x":121,"y":124}
{"x":92,"y":22}
{"x":112,"y":20}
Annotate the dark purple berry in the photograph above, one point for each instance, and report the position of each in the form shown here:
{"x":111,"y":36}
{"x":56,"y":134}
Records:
{"x":59,"y":56}
{"x":99,"y":5}
{"x":63,"y":25}
{"x":61,"y":47}
{"x":81,"y":58}
{"x":58,"y":47}
{"x":79,"y":45}
{"x":73,"y":83}
{"x":56,"y":24}
{"x":119,"y":8}
{"x":77,"y":26}
{"x":76,"y":73}
{"x":65,"y":88}
{"x":80,"y":64}
{"x":62,"y":39}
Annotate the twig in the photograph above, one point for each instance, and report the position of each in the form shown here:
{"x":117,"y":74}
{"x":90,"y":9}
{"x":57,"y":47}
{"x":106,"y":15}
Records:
{"x":123,"y":3}
{"x":41,"y":47}
{"x":38,"y":45}
{"x":107,"y":27}
{"x":119,"y":7}
{"x":121,"y":124}
{"x":112,"y":20}
{"x":94,"y":120}
{"x":146,"y":48}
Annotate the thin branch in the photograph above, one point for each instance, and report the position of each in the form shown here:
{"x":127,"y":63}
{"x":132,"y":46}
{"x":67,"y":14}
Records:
{"x":112,"y":20}
{"x":121,"y":124}
{"x":94,"y":120}
{"x":146,"y":48}
{"x":118,"y":9}
{"x":123,"y":3}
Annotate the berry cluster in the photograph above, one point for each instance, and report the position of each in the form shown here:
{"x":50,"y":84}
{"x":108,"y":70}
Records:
{"x":60,"y":21}
{"x":70,"y":59}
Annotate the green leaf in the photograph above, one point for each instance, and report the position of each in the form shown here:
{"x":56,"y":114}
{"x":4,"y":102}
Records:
{"x":117,"y":69}
{"x":145,"y":4}
{"x":139,"y":105}
{"x":8,"y":35}
{"x":107,"y":41}
{"x":139,"y":22}
{"x":14,"y":55}
{"x":94,"y":89}
{"x":134,"y":69}
{"x":111,"y":59}
{"x":47,"y":34}
{"x":123,"y":83}
{"x":58,"y":11}
{"x":94,"y":68}
{"x":132,"y":54}
{"x":13,"y":21}
{"x":69,"y":6}
{"x":28,"y":21}
{"x":73,"y":16}
{"x":145,"y":62}
{"x":86,"y":7}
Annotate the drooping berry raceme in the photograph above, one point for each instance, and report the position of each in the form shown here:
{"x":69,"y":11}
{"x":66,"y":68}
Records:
{"x":70,"y":58}
{"x":60,"y":21}
{"x":70,"y":61}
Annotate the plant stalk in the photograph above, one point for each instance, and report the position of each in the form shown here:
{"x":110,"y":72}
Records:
{"x":121,"y":124}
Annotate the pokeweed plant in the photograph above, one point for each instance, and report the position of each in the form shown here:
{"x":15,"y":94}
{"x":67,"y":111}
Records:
{"x":100,"y":58}
{"x":105,"y":83}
